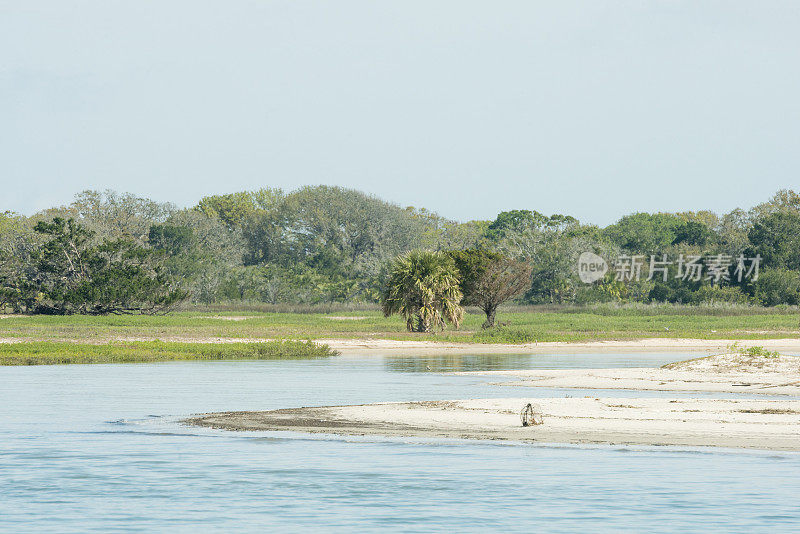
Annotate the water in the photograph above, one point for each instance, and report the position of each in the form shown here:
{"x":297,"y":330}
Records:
{"x":98,"y":448}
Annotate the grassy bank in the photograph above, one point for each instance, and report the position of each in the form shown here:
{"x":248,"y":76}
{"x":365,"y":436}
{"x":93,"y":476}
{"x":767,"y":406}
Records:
{"x":521,"y":326}
{"x":47,"y":353}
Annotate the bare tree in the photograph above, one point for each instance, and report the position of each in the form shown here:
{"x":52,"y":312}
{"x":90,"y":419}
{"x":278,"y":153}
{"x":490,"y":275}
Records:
{"x":501,"y":280}
{"x":488,"y":279}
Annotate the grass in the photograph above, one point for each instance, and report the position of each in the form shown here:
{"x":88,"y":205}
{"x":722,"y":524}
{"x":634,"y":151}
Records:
{"x":755,"y":352}
{"x":751,"y":352}
{"x":503,"y":334}
{"x":48,"y":353}
{"x":521,"y":325}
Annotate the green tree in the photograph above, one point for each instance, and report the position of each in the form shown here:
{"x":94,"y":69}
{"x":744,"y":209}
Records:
{"x":423,"y":287}
{"x":646,"y":233}
{"x":184,"y":257}
{"x":553,"y":250}
{"x":112,"y":215}
{"x":236,"y":209}
{"x":731,"y":232}
{"x":514,"y":221}
{"x":116,"y":276}
{"x":776,"y":286}
{"x":365,"y":230}
{"x":17,"y":243}
{"x":693,"y":233}
{"x":785,"y":200}
{"x":776,"y":237}
{"x":204,"y":261}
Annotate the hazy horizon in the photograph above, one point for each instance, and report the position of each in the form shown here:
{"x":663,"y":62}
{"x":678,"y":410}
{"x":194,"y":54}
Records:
{"x":592,"y":110}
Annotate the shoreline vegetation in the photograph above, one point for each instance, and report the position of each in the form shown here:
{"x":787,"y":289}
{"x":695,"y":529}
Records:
{"x":218,"y":334}
{"x":51,"y":353}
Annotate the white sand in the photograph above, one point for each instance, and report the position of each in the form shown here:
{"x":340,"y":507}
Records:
{"x":721,"y":373}
{"x":759,"y":424}
{"x":762,"y":424}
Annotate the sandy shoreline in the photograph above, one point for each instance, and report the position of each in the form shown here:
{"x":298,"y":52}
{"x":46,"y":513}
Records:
{"x":724,"y":373}
{"x":648,"y":379}
{"x":755,"y":424}
{"x":737,"y":423}
{"x":384,"y":346}
{"x":780,"y":381}
{"x":413,"y":347}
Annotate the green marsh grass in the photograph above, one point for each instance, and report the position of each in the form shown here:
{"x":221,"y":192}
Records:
{"x":48,"y":353}
{"x":522,"y":325}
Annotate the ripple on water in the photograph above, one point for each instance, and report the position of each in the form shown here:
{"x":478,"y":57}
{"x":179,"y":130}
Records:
{"x":101,"y":448}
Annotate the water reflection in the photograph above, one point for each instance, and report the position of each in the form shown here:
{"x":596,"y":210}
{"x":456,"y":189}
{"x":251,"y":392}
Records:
{"x":452,"y":363}
{"x":499,"y":362}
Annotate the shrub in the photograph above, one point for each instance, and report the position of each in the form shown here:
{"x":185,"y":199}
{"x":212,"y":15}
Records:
{"x":777,"y":286}
{"x":716,"y":294}
{"x":48,"y":353}
{"x":502,"y":334}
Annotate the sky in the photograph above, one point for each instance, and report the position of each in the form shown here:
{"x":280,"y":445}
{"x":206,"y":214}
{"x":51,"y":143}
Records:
{"x":594,"y":109}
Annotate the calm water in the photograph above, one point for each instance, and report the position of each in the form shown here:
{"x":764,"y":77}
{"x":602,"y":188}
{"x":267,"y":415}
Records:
{"x":98,"y":448}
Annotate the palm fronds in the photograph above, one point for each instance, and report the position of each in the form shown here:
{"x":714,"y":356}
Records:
{"x":423,"y":288}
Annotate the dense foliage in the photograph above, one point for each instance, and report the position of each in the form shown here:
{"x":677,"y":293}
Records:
{"x":328,"y":244}
{"x":68,"y":274}
{"x":423,"y":287}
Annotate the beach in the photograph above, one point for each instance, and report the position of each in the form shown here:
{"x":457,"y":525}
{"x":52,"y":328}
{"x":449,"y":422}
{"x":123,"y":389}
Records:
{"x":757,"y":424}
{"x":724,"y":373}
{"x":767,"y":422}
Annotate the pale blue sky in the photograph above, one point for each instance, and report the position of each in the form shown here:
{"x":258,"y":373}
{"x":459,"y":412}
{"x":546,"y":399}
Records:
{"x":595,"y":109}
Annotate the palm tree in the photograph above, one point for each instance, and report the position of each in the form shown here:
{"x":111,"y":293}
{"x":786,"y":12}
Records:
{"x":423,"y":287}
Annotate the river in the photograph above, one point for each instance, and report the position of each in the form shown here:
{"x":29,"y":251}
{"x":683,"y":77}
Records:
{"x":100,"y":448}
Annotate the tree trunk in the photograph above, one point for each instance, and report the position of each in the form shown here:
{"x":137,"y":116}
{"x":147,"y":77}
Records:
{"x":491,"y":313}
{"x":422,"y":326}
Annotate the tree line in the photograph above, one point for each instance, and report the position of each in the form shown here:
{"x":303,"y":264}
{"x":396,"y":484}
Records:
{"x":118,"y":253}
